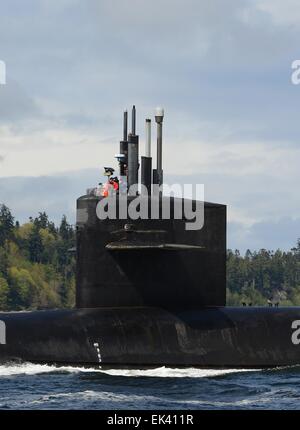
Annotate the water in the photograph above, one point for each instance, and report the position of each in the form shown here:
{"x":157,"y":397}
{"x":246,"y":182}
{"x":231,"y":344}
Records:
{"x":31,"y":386}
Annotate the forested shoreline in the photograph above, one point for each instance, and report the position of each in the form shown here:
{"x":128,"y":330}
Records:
{"x":37,"y":268}
{"x":264,"y":277}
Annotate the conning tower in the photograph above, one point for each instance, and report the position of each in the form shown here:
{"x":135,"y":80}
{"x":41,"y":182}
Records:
{"x":127,"y":262}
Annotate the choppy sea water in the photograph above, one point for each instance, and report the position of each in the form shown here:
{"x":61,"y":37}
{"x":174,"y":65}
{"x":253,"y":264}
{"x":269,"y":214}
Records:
{"x":31,"y":386}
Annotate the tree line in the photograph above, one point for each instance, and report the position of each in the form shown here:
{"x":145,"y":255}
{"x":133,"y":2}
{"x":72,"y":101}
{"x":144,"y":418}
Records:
{"x":264,"y":277}
{"x":36,"y":265}
{"x":37,"y":268}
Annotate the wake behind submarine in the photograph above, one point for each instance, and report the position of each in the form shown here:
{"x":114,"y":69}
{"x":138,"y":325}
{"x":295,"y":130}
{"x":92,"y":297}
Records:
{"x":150,"y":292}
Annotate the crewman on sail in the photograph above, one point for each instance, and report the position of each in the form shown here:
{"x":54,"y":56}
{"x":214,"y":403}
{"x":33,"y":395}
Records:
{"x":112,"y":184}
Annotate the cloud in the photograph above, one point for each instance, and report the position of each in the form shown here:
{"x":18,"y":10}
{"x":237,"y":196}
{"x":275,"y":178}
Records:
{"x":212,"y":65}
{"x":271,"y":235}
{"x":56,"y":195}
{"x":15,"y":104}
{"x":285,"y":13}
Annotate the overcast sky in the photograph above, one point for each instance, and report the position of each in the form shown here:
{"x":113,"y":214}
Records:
{"x":221,"y":69}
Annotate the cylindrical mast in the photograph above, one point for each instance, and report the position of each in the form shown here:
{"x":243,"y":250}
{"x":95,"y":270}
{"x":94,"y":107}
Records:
{"x":146,"y":170}
{"x":148,"y":138}
{"x":125,"y":126}
{"x":159,"y":116}
{"x":133,"y":161}
{"x":124,"y":146}
{"x":133,"y":121}
{"x":133,"y":155}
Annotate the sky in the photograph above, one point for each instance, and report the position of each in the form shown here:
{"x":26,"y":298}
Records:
{"x":222,"y":71}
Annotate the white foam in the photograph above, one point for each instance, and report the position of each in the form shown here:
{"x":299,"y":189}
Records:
{"x":119,"y":398}
{"x":95,"y":395}
{"x":167,"y":372}
{"x":161,"y":372}
{"x":34,"y":369}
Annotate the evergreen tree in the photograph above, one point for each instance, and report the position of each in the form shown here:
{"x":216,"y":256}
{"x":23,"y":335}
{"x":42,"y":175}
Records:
{"x":6,"y":224}
{"x":66,"y":231}
{"x":35,"y":246}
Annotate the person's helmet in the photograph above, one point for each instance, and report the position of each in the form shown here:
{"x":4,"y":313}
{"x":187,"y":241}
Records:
{"x":108,"y":171}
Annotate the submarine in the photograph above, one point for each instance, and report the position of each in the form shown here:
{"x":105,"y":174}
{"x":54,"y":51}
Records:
{"x":150,"y":292}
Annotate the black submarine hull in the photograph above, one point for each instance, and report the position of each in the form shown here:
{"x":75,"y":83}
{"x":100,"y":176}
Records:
{"x":151,"y":337}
